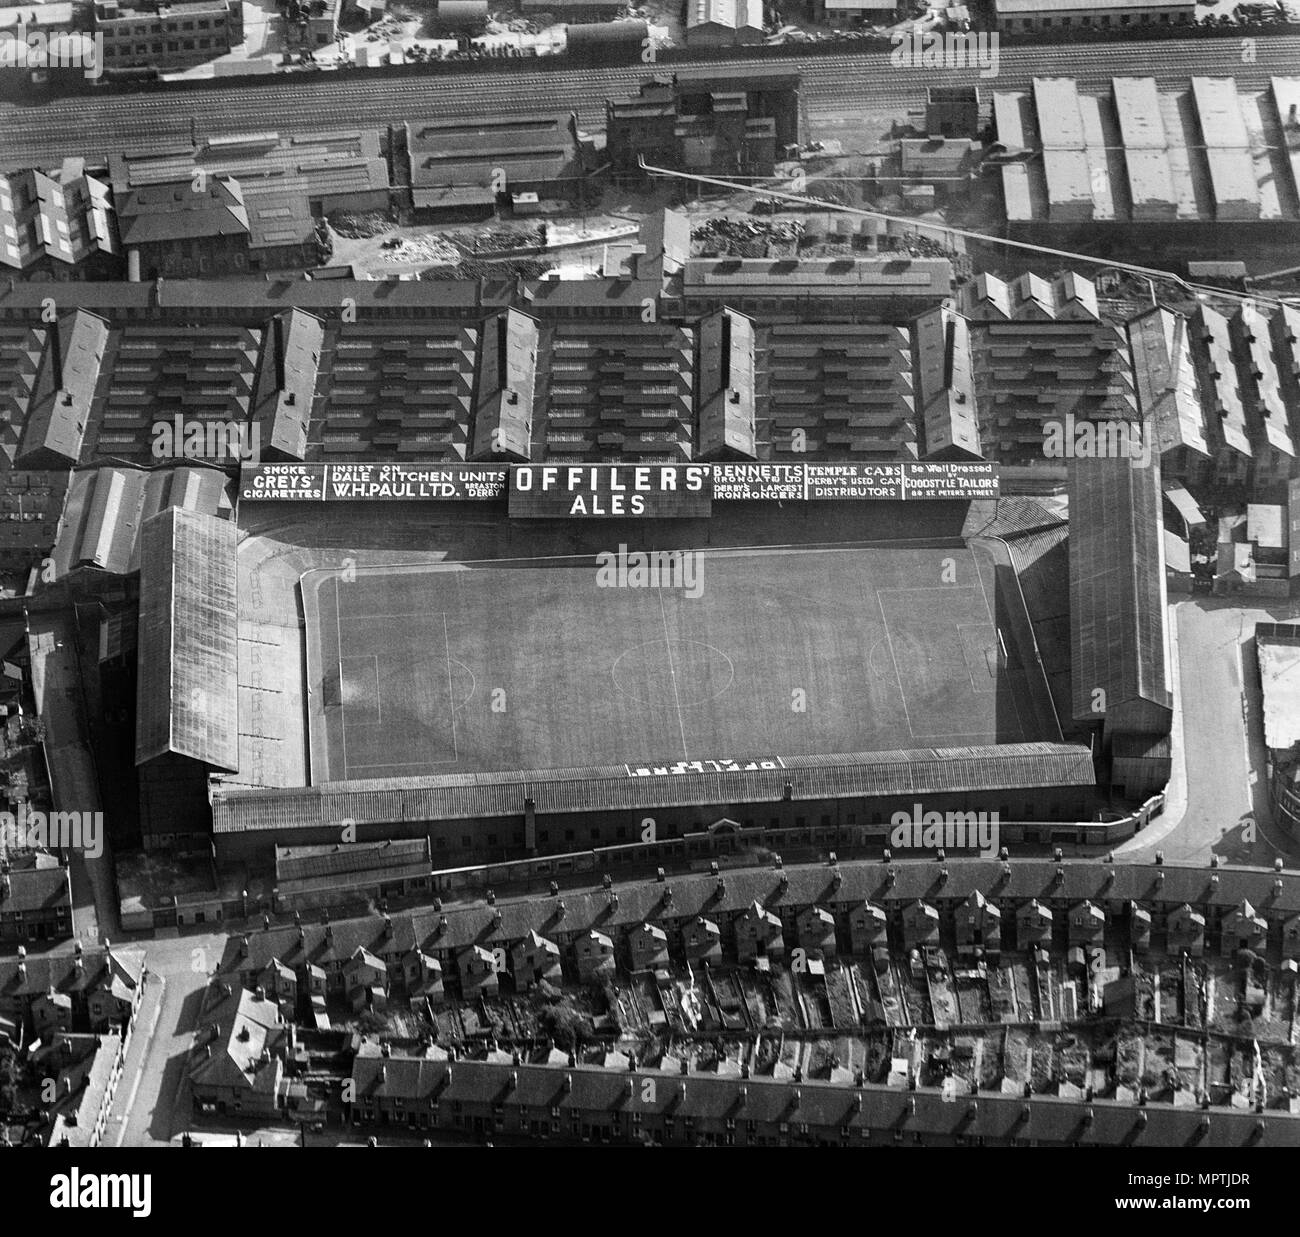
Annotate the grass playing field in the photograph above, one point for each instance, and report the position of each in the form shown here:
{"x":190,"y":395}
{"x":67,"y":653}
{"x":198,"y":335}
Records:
{"x":535,"y":665}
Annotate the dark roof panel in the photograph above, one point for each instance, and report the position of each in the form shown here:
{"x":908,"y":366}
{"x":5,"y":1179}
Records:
{"x":1117,"y":611}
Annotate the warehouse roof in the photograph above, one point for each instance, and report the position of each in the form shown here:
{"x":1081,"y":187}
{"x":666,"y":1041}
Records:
{"x":180,"y":211}
{"x":316,"y":165}
{"x":730,"y":14}
{"x":1219,"y":110}
{"x":1166,"y":380}
{"x":1056,"y":102}
{"x":1137,"y":104}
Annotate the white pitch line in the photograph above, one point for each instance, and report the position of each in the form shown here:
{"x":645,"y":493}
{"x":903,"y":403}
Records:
{"x":672,"y":674}
{"x":343,"y":712}
{"x":451,"y":698}
{"x":898,"y":678}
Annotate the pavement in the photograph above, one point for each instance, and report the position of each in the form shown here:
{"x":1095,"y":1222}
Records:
{"x":1218,"y":798}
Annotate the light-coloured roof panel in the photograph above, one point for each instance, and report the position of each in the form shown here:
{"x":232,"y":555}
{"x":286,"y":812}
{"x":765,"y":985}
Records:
{"x":1137,"y":105}
{"x":1056,"y":100}
{"x":1219,"y":112}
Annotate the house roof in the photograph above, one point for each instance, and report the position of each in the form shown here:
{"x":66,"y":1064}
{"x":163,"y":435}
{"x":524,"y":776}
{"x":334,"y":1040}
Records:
{"x":34,"y":890}
{"x":578,"y":1089}
{"x":680,"y":902}
{"x":114,"y":970}
{"x":237,"y":1043}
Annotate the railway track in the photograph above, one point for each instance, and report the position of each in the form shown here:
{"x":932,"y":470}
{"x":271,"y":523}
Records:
{"x":832,"y":85}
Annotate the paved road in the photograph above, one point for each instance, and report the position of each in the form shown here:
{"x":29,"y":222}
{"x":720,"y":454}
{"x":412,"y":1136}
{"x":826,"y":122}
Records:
{"x":833,"y":85}
{"x":152,"y":1104}
{"x":1222,"y":748}
{"x":56,"y":685}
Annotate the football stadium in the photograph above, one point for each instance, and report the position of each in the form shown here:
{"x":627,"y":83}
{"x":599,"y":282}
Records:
{"x":503,"y":676}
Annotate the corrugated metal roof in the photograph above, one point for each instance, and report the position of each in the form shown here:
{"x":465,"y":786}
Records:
{"x":188,"y":656}
{"x":1117,"y":617}
{"x":611,"y":788}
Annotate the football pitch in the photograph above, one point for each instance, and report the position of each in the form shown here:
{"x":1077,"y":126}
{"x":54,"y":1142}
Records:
{"x":540,"y":664}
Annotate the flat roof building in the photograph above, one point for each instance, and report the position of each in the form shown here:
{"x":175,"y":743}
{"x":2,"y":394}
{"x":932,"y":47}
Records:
{"x":1016,"y":15}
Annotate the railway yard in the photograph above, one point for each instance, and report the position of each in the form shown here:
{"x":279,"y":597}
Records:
{"x":833,"y":87}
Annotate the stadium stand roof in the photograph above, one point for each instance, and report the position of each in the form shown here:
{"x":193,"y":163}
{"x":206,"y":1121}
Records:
{"x":503,"y":420}
{"x":286,"y":383}
{"x":1213,"y":352}
{"x":847,"y":388}
{"x":1277,"y":647}
{"x":726,"y":381}
{"x":188,"y":641}
{"x":56,"y":424}
{"x":1260,"y":380}
{"x":1117,"y":604}
{"x":945,"y":384}
{"x":107,"y":507}
{"x":1165,"y":376}
{"x":611,"y":788}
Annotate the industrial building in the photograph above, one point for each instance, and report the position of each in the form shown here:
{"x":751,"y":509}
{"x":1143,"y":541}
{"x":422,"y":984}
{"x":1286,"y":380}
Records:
{"x":1017,"y":15}
{"x":60,"y":226}
{"x":1277,"y":655}
{"x":167,"y":36}
{"x":1141,"y":158}
{"x":723,"y":23}
{"x":722,"y":124}
{"x":459,"y":168}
